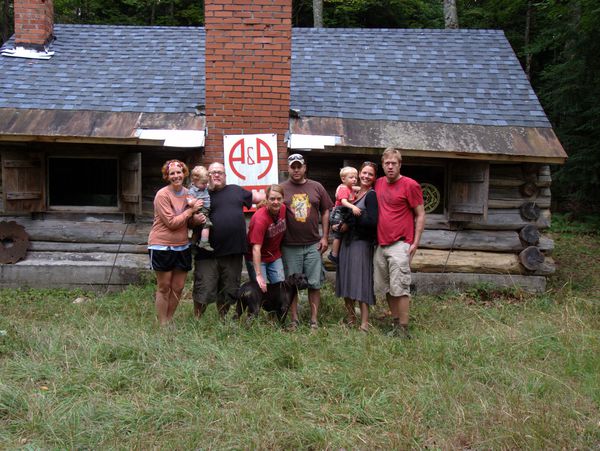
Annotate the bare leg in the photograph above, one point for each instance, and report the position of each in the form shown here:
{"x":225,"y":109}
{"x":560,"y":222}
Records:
{"x":335,"y":247}
{"x":350,"y":313}
{"x":205,"y":234}
{"x":163,"y":292}
{"x":364,"y":316}
{"x":177,"y":285}
{"x":399,"y":306}
{"x":314,"y":299}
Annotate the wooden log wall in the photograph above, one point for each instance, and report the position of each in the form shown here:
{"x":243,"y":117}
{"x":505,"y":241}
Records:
{"x":509,"y":241}
{"x":518,"y":213}
{"x":494,"y":247}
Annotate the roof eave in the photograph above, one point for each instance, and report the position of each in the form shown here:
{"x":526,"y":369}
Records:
{"x":439,"y":140}
{"x":94,"y":127}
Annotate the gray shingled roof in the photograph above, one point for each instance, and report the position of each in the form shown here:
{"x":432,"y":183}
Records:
{"x":450,"y":76}
{"x":110,"y":68}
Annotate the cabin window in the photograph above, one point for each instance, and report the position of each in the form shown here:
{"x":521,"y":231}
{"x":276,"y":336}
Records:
{"x":432,"y":181}
{"x":78,"y":182}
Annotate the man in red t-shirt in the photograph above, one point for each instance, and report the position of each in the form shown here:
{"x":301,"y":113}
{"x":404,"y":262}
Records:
{"x":399,"y":228}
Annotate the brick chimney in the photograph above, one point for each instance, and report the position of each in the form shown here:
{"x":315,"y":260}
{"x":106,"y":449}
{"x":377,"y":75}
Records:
{"x":248,"y":71}
{"x":34,"y":23}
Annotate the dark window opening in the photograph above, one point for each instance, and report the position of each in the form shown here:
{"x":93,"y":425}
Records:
{"x":83,"y":182}
{"x":432,"y":180}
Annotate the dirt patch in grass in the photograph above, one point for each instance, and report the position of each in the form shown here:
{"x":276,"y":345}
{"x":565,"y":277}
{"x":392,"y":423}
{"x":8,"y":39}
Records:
{"x":490,"y":296}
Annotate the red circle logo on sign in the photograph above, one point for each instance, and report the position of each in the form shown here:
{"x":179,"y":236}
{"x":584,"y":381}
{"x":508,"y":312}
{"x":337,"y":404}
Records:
{"x":241,"y":157}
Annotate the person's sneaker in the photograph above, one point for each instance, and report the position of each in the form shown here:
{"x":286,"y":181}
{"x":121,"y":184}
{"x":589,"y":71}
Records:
{"x":205,"y":245}
{"x":333,"y":259}
{"x":400,"y":331}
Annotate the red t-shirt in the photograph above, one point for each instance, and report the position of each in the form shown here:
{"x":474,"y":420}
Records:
{"x":268,"y":232}
{"x":397,"y":202}
{"x":343,"y":192}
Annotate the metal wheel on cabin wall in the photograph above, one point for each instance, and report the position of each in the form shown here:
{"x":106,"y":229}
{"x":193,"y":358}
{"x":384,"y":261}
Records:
{"x":431,"y":197}
{"x":14,"y":242}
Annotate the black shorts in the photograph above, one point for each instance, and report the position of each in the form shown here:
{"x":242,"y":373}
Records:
{"x":170,"y":260}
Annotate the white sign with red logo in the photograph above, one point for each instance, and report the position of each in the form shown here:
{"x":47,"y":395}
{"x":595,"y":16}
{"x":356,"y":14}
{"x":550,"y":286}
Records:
{"x":251,"y":160}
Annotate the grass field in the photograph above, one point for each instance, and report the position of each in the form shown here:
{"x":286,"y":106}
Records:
{"x":485,"y":369}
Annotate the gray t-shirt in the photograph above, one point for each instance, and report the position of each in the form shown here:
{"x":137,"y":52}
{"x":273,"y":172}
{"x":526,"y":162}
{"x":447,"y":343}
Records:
{"x":201,"y":194}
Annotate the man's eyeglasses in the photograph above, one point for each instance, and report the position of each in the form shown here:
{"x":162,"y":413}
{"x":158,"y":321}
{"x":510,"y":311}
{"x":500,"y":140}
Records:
{"x":216,"y":173}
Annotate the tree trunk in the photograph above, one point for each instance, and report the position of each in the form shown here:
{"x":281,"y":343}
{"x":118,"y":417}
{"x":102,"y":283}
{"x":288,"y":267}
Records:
{"x":450,"y":14}
{"x":318,"y":13}
{"x":527,"y":39}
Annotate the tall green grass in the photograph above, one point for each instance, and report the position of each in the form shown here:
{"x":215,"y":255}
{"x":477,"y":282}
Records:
{"x":485,"y":369}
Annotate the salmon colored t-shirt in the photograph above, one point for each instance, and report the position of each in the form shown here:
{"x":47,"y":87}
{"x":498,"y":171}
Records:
{"x":170,"y":226}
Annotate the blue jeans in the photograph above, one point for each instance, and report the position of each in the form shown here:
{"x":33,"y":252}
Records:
{"x":271,"y":272}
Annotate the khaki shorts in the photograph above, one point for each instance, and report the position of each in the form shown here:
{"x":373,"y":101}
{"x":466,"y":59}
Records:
{"x":391,"y":269}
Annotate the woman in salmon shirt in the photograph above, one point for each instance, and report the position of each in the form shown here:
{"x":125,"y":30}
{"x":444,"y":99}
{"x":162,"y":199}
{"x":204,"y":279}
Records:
{"x":168,"y":242}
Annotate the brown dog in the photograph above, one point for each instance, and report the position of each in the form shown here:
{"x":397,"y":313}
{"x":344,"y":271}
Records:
{"x":277,"y":299}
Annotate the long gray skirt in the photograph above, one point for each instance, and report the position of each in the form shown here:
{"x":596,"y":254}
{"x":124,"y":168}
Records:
{"x":354,"y":278}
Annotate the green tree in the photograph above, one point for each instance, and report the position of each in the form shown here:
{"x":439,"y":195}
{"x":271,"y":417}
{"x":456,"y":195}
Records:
{"x":130,"y":12}
{"x":569,"y":87}
{"x":6,"y":20}
{"x":372,"y":13}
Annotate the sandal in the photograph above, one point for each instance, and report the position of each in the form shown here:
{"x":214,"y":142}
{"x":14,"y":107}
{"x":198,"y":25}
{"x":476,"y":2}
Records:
{"x":314,"y":325}
{"x":293,"y":325}
{"x":350,"y":321}
{"x":400,"y":331}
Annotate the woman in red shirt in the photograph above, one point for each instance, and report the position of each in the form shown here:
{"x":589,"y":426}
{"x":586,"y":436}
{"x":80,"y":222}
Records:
{"x":265,"y":233}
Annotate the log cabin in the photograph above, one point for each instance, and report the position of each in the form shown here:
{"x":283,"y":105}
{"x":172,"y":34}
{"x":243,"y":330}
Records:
{"x":88,"y":114}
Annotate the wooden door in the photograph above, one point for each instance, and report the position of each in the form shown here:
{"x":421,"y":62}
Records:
{"x":131,"y":183}
{"x":23,"y":181}
{"x":468,"y":191}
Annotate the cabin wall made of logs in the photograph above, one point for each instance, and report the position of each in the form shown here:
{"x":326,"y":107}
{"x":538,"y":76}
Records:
{"x":510,"y":241}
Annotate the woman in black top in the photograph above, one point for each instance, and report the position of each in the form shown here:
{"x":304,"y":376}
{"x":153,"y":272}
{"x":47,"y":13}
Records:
{"x":354,"y":280}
